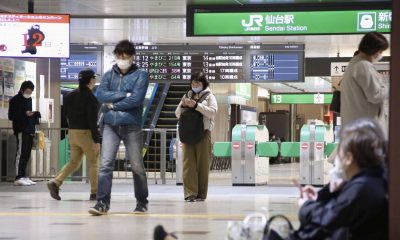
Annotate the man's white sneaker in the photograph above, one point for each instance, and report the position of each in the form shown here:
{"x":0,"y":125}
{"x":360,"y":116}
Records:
{"x":30,"y":181}
{"x":21,"y":182}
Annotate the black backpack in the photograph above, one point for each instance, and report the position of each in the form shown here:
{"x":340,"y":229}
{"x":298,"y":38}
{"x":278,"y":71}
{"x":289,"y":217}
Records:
{"x":191,"y":126}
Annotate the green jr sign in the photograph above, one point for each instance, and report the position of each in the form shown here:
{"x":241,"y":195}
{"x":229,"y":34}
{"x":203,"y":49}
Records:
{"x":301,"y":98}
{"x":292,"y":23}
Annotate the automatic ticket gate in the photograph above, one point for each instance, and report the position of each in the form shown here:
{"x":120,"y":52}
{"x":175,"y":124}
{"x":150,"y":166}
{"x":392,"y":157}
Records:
{"x":312,"y":155}
{"x":248,"y":167}
{"x":250,"y":151}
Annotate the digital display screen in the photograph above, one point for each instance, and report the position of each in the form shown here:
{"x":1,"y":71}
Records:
{"x":70,"y":67}
{"x":34,"y":35}
{"x":276,"y":63}
{"x":178,"y":62}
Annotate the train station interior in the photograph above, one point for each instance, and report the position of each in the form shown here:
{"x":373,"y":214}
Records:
{"x":273,"y":66}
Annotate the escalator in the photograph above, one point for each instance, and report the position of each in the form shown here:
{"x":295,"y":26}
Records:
{"x":166,"y":120}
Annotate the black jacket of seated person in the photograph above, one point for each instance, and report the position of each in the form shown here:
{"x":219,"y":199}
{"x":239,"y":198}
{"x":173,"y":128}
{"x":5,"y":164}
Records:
{"x":361,"y":206}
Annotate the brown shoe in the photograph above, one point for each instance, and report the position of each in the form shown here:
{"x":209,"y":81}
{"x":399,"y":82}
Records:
{"x":93,"y":197}
{"x":54,"y":190}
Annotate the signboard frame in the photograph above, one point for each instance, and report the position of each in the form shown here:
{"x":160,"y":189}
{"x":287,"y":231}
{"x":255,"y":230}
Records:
{"x":300,"y":7}
{"x":326,"y":98}
{"x":34,"y":18}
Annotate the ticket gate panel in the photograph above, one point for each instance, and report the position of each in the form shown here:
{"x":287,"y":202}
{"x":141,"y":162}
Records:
{"x":305,"y":170}
{"x":290,"y":149}
{"x":222,"y":149}
{"x":261,"y":168}
{"x":329,"y":148}
{"x":318,"y":164}
{"x":249,"y":167}
{"x":237,"y":163}
{"x":267,"y":149}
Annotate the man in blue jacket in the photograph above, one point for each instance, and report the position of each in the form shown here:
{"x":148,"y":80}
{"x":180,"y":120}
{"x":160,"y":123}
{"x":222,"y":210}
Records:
{"x":122,"y":91}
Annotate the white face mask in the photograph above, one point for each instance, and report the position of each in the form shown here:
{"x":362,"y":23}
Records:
{"x":124,"y":64}
{"x":27,"y":96}
{"x":336,"y":174}
{"x":378,"y":58}
{"x":197,"y":89}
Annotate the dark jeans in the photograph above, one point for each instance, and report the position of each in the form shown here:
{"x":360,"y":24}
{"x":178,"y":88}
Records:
{"x":24,"y":148}
{"x":132,"y":137}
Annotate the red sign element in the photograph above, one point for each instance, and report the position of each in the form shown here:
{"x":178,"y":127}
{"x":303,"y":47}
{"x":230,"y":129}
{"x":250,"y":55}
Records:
{"x":3,"y":47}
{"x":236,"y":145}
{"x":319,"y":146}
{"x":304,"y":146}
{"x":250,"y":145}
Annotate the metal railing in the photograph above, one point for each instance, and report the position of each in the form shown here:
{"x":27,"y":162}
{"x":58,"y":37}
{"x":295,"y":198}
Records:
{"x":46,"y":163}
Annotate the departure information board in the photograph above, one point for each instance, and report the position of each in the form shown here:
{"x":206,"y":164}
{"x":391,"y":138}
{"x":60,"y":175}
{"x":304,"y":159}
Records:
{"x":81,"y":57}
{"x":178,"y":62}
{"x":276,"y":63}
{"x":70,"y":67}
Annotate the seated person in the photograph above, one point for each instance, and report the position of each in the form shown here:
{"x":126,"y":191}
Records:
{"x":357,"y":205}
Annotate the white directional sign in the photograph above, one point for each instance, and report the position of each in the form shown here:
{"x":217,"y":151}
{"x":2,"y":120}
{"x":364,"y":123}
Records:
{"x":338,"y":68}
{"x":319,"y":98}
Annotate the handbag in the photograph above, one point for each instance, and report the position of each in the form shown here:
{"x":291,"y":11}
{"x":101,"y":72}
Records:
{"x":190,"y":123}
{"x":271,"y":234}
{"x":251,"y":228}
{"x":335,"y":104}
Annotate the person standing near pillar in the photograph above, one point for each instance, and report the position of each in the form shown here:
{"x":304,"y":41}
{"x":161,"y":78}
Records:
{"x":81,"y":108}
{"x":23,"y":121}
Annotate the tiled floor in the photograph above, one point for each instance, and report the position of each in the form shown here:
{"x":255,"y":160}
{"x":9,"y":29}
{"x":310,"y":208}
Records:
{"x":30,"y":213}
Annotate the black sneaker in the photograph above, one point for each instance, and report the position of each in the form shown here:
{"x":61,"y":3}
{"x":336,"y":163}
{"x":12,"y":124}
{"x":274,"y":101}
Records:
{"x":93,"y":197}
{"x":199,"y":199}
{"x":190,"y":199}
{"x":99,"y":209}
{"x":140,"y":208}
{"x":54,"y":190}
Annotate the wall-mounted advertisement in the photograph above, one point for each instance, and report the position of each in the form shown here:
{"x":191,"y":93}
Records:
{"x":34,"y":35}
{"x":12,"y":74}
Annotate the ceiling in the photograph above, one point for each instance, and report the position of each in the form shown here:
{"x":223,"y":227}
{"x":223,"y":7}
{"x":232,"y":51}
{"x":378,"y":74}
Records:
{"x":163,"y":21}
{"x":137,"y":8}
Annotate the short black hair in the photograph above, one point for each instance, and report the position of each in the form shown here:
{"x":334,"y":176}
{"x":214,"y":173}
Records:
{"x":85,"y":76}
{"x":27,"y":85}
{"x":200,"y":77}
{"x":364,"y":139}
{"x":372,"y":43}
{"x":125,"y":47}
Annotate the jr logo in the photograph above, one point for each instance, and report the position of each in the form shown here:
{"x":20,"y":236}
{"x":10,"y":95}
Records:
{"x":254,"y":19}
